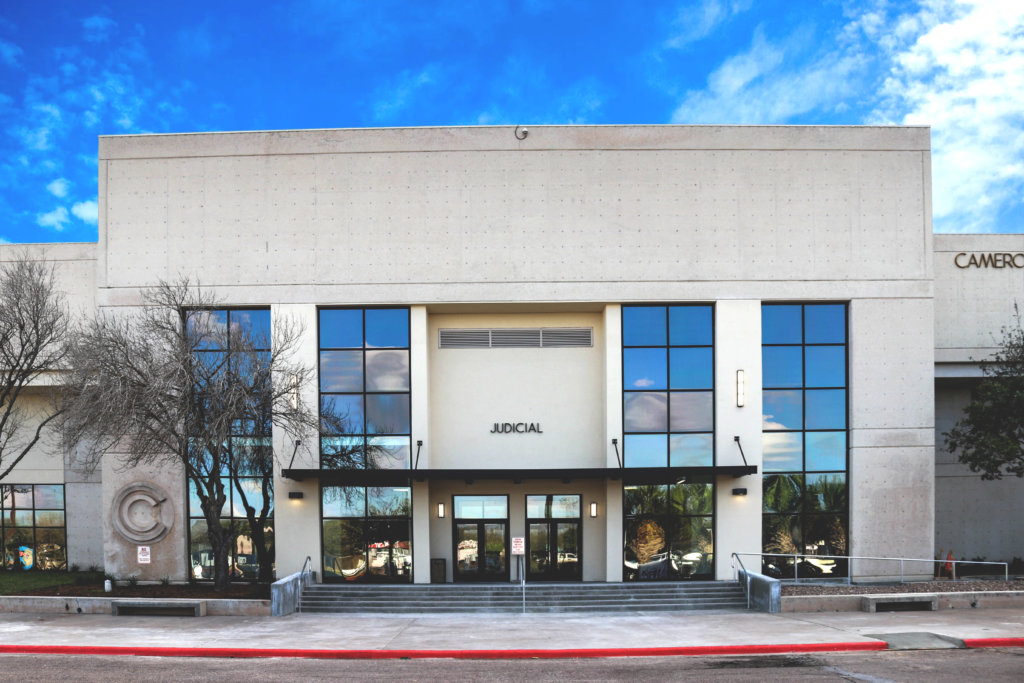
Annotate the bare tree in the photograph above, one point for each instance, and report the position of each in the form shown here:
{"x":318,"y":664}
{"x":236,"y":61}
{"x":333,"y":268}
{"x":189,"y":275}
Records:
{"x":172,"y":383}
{"x":33,"y":341}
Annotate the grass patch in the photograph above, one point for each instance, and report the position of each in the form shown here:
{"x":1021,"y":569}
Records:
{"x":15,"y":582}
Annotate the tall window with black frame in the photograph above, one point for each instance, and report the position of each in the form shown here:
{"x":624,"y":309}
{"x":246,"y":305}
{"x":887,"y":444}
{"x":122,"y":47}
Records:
{"x":804,"y":439}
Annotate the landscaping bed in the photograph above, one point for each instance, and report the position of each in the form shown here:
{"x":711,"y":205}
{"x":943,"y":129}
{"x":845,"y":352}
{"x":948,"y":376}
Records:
{"x":90,"y":585}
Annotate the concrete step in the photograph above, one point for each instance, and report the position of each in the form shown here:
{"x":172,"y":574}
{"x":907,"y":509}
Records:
{"x":543,"y":597}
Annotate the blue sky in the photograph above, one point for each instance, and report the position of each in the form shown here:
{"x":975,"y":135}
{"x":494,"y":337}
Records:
{"x":70,"y":71}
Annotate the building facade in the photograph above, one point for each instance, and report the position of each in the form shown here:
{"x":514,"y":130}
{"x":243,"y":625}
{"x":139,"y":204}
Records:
{"x":638,"y":349}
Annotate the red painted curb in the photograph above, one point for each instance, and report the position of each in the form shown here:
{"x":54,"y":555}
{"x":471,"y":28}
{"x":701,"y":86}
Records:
{"x":994,"y":642}
{"x":440,"y":654}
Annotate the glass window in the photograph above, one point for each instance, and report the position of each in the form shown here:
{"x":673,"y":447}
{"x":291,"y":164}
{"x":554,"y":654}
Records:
{"x":782,"y":409}
{"x":681,"y":360}
{"x":254,"y":324}
{"x":825,"y":324}
{"x":645,"y":411}
{"x":643,"y":326}
{"x":554,"y":506}
{"x":367,"y":533}
{"x":826,"y":366}
{"x":341,"y":371}
{"x":341,"y":328}
{"x":825,"y":409}
{"x":804,"y":436}
{"x":783,"y":366}
{"x":691,"y":368}
{"x":645,"y":369}
{"x":481,"y":507}
{"x":646,"y":450}
{"x":388,"y":452}
{"x":782,"y":492}
{"x":365,"y":388}
{"x":782,"y":451}
{"x":825,"y":451}
{"x":388,"y":501}
{"x":690,"y":326}
{"x":387,"y":413}
{"x":668,"y":531}
{"x":690,"y":450}
{"x":32,"y":527}
{"x":691,"y":411}
{"x":387,"y":327}
{"x":781,"y":325}
{"x":387,"y":371}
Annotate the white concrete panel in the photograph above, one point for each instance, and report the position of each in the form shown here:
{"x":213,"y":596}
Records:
{"x":974,"y":302}
{"x":566,"y":206}
{"x":891,"y":505}
{"x":558,"y":389}
{"x":614,"y":537}
{"x":83,"y":515}
{"x":44,"y":463}
{"x":891,"y":364}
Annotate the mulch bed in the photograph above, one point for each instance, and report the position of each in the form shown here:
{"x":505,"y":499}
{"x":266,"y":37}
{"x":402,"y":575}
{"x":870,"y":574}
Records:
{"x":237,"y":591}
{"x":969,"y":586}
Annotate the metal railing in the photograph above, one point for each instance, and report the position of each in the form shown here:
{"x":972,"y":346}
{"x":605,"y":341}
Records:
{"x":746,"y":578}
{"x":302,"y":579}
{"x":849,"y":558}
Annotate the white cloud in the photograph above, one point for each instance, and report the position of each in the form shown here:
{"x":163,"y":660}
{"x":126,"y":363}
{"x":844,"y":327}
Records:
{"x":87,"y":211}
{"x":56,"y":219}
{"x":695,"y":21}
{"x":58,"y":187}
{"x":771,"y":82}
{"x":10,"y":53}
{"x":98,"y":29}
{"x":393,"y":99}
{"x":962,"y":73}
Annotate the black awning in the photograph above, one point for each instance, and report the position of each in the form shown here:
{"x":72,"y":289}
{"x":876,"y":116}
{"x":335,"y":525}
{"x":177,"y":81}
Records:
{"x":631,"y":475}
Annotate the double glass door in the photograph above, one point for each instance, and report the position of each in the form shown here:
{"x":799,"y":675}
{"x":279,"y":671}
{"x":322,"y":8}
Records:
{"x":553,"y":527}
{"x":481,"y":538}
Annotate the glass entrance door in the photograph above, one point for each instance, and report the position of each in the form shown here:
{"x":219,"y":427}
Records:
{"x":553,"y":527}
{"x":480,"y":539}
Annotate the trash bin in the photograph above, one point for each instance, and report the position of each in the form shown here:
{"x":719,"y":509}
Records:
{"x":438,"y":571}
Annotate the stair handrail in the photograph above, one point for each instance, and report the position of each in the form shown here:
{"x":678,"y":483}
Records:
{"x":746,"y":578}
{"x":302,"y":580}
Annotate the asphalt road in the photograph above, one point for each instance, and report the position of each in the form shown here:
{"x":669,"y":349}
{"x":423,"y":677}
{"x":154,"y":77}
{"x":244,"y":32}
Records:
{"x":988,"y":665}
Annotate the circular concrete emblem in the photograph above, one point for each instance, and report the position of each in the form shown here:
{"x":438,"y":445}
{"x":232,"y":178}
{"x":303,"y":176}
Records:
{"x":142,"y":513}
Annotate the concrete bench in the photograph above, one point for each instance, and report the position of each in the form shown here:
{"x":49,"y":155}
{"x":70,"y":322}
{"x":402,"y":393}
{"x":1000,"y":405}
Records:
{"x":899,"y":602}
{"x":161,"y":608}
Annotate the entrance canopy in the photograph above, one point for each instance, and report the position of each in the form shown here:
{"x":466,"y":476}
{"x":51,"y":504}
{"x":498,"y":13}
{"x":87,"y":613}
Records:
{"x":630,"y":475}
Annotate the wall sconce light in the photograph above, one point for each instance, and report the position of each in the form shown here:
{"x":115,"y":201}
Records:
{"x":296,"y":495}
{"x":741,"y":389}
{"x":739,"y":492}
{"x":593,"y":509}
{"x":440,"y":510}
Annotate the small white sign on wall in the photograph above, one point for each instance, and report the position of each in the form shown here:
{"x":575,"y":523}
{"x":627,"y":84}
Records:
{"x":518,"y":545}
{"x":144,"y":554}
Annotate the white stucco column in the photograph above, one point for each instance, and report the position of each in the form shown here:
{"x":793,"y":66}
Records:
{"x":297,"y":521}
{"x":737,"y":347}
{"x":613,"y":420}
{"x":420,"y":407}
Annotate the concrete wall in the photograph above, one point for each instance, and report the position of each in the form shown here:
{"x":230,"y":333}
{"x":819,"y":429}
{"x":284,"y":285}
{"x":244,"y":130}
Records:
{"x":976,"y":296}
{"x":557,"y":388}
{"x":475,"y":228}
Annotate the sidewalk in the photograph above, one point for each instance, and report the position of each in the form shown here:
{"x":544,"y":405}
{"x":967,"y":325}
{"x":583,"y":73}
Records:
{"x":498,"y":635}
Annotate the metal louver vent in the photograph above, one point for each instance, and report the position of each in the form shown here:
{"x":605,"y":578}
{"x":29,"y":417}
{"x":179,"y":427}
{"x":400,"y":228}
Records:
{"x":517,"y":338}
{"x":567,"y":337}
